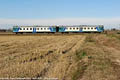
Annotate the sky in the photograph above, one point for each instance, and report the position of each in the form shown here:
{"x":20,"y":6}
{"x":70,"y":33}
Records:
{"x":59,"y":12}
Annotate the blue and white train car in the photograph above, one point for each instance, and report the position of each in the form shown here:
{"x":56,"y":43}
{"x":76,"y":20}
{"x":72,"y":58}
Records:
{"x":63,"y":29}
{"x":82,"y":28}
{"x":33,"y":29}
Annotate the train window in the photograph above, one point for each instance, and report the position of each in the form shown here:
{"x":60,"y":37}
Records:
{"x":37,"y":28}
{"x":84,"y":28}
{"x":77,"y":28}
{"x":27,"y":29}
{"x":20,"y":28}
{"x":47,"y":28}
{"x":91,"y":28}
{"x":70,"y":28}
{"x":73,"y":28}
{"x":41,"y":28}
{"x":88,"y":28}
{"x":95,"y":28}
{"x":30,"y":28}
{"x":44,"y":28}
{"x":23,"y":28}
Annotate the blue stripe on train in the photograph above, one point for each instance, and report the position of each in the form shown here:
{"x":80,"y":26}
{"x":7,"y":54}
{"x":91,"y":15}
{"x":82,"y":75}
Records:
{"x":64,"y":29}
{"x":51,"y":29}
{"x":98,"y":29}
{"x":16,"y":29}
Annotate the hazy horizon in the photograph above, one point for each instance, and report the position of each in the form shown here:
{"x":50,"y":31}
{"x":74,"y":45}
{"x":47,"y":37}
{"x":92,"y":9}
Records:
{"x":62,"y":12}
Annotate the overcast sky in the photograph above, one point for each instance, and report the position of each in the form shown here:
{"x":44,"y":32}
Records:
{"x":59,"y":12}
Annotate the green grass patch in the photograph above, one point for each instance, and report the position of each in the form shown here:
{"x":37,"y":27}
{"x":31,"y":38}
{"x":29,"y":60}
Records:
{"x":80,"y":55}
{"x":118,"y":32}
{"x":81,"y":66}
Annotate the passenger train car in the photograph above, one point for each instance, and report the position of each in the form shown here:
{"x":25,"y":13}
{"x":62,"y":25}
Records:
{"x":62,"y":29}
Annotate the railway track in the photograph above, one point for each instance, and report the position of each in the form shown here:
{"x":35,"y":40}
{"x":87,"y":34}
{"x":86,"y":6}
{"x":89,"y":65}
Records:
{"x":43,"y":34}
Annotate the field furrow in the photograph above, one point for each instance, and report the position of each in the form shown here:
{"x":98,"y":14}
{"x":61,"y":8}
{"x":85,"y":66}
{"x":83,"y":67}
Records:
{"x":37,"y":56}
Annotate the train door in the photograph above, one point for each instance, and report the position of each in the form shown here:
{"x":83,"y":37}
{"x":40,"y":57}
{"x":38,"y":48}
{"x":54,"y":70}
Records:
{"x":57,"y":29}
{"x":81,"y":29}
{"x":34,"y":30}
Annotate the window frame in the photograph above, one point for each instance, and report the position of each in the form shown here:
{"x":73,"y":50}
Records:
{"x":31,"y":28}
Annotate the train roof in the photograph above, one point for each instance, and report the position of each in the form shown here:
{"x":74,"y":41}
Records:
{"x":63,"y":26}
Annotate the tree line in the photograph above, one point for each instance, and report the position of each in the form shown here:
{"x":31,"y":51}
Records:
{"x":5,"y":30}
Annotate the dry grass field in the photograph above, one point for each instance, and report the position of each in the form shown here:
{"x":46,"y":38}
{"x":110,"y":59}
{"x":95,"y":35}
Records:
{"x":66,"y":57}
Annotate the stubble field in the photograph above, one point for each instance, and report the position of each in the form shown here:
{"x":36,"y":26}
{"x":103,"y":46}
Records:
{"x":65,"y":57}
